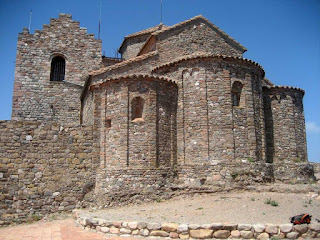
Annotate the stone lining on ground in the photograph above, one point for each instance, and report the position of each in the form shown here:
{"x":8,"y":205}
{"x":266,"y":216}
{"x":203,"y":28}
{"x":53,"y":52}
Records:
{"x":197,"y":231}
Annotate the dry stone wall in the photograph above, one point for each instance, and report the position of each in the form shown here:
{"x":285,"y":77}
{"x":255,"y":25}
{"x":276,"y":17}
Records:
{"x":196,"y":231}
{"x":44,"y":168}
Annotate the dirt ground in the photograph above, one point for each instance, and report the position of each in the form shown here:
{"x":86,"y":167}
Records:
{"x":234,"y":207}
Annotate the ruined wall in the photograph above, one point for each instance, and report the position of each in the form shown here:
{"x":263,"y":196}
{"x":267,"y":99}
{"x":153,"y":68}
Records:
{"x":44,"y":168}
{"x":210,"y":129}
{"x":35,"y":97}
{"x":195,"y":37}
{"x":141,"y":141}
{"x":285,"y":125}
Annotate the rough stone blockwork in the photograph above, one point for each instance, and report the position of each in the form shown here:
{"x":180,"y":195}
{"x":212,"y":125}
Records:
{"x":35,"y":96}
{"x":204,"y":231}
{"x":51,"y":171}
{"x":181,"y":111}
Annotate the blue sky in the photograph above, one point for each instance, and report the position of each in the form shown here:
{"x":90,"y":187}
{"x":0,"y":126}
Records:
{"x":281,"y":35}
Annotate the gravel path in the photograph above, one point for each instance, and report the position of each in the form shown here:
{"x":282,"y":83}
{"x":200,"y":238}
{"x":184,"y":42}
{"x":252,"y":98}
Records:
{"x":235,"y":207}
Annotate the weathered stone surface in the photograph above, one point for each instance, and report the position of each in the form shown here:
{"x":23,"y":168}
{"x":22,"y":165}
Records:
{"x":263,"y":236}
{"x":246,"y":234}
{"x":159,"y":233}
{"x":125,"y":231}
{"x":259,"y":228}
{"x":114,"y":230}
{"x":182,"y":228}
{"x":135,"y":232}
{"x":133,"y":225}
{"x":144,"y":232}
{"x":104,"y":229}
{"x":229,"y":227}
{"x":206,"y":226}
{"x":223,"y":234}
{"x":217,"y":226}
{"x":244,"y":227}
{"x":272,"y":229}
{"x":285,"y":228}
{"x":235,"y":234}
{"x":169,"y":227}
{"x":173,"y":235}
{"x":153,"y":226}
{"x":141,"y":225}
{"x":184,"y":236}
{"x":194,"y":226}
{"x":117,"y":224}
{"x":301,"y":228}
{"x":292,"y":235}
{"x":314,"y":227}
{"x":201,"y":233}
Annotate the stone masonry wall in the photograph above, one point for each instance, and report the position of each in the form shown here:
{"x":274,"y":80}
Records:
{"x":195,"y":37}
{"x":209,"y":128}
{"x":44,"y":168}
{"x":125,"y":140}
{"x":118,"y":186}
{"x":285,"y":125}
{"x":35,"y":97}
{"x":171,"y":230}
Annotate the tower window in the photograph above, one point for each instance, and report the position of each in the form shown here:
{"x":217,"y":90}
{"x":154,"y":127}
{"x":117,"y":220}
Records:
{"x":137,"y":108}
{"x":58,"y":65}
{"x":236,"y":93}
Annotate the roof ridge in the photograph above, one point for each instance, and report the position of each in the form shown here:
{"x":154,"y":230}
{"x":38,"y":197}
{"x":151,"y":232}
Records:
{"x":203,"y":55}
{"x":286,"y":87}
{"x":133,"y":75}
{"x":123,"y":63}
{"x":210,"y":23}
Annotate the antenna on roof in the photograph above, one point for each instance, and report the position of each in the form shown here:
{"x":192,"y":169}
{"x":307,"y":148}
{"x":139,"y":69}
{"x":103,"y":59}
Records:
{"x":30,"y":20}
{"x":99,"y":20}
{"x":160,"y":11}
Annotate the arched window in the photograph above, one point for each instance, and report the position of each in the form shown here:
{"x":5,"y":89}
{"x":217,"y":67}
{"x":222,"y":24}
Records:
{"x":58,"y":65}
{"x":137,"y":108}
{"x":236,"y":93}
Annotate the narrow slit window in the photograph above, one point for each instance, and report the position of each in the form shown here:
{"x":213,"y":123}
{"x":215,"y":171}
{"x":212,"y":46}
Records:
{"x":236,"y":93}
{"x":137,"y":108}
{"x":58,"y":65}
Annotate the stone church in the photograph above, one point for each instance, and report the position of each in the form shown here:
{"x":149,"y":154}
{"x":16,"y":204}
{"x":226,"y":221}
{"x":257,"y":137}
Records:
{"x":181,"y":108}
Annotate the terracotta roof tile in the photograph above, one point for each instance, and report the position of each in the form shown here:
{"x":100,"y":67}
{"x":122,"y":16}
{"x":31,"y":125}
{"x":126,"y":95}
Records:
{"x":132,"y":76}
{"x":148,"y":30}
{"x":204,"y":55}
{"x":237,"y":44}
{"x":285,"y":87}
{"x":124,"y":63}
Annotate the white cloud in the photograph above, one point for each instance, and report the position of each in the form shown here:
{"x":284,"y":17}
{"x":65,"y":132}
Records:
{"x":312,"y":127}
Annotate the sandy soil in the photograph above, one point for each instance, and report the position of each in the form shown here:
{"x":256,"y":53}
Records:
{"x":235,"y":207}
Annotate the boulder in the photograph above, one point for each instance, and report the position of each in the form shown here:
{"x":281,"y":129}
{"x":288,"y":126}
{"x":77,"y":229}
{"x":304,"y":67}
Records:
{"x":292,"y":235}
{"x":182,"y":228}
{"x":159,"y":233}
{"x":246,"y":234}
{"x":285,"y":228}
{"x":201,"y":233}
{"x":169,"y":227}
{"x":222,"y":234}
{"x":244,"y":227}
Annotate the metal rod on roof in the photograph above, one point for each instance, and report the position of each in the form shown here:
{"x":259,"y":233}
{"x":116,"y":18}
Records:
{"x":30,"y":20}
{"x":99,"y":19}
{"x":161,"y":12}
